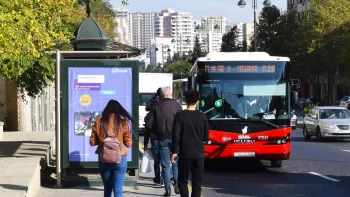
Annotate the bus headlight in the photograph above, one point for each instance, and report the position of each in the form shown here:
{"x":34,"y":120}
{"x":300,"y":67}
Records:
{"x":283,"y":140}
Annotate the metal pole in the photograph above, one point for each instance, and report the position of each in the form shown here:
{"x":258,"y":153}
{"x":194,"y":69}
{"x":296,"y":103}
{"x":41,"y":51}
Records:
{"x":255,"y":41}
{"x":58,"y":119}
{"x":163,"y":56}
{"x":181,"y":55}
{"x":155,"y":55}
{"x":180,"y":45}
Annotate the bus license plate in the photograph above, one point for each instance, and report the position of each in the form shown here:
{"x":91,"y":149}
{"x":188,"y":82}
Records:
{"x":244,"y":154}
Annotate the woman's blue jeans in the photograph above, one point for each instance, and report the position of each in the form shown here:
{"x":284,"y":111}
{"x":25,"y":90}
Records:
{"x":113,"y":175}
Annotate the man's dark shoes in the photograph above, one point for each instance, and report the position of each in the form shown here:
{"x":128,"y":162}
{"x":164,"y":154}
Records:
{"x":167,"y":194}
{"x":158,"y":182}
{"x":177,"y":190}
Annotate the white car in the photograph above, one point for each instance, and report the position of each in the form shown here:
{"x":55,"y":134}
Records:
{"x":293,"y":120}
{"x":327,"y":122}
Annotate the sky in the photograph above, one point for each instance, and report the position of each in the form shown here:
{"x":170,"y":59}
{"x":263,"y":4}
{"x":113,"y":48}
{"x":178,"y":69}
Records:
{"x":201,"y":8}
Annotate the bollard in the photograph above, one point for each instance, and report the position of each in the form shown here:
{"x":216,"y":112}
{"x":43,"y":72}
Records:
{"x":1,"y":131}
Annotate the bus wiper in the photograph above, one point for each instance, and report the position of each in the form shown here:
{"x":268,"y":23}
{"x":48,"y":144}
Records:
{"x":265,"y":121}
{"x":269,"y":123}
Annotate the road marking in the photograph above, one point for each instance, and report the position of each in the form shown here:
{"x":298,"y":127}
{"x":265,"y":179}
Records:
{"x":346,"y":151}
{"x":323,"y":176}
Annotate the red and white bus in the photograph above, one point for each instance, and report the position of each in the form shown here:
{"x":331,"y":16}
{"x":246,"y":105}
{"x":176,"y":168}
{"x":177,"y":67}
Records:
{"x":245,"y":96}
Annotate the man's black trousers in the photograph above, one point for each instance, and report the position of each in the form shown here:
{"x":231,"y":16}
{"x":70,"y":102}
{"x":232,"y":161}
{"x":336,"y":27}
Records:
{"x":196,"y":167}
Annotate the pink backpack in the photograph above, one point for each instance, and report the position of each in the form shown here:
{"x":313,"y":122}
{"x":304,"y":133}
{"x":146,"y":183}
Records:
{"x":111,"y":150}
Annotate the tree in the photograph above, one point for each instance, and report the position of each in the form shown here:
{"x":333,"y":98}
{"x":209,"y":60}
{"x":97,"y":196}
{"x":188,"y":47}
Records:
{"x":197,"y":51}
{"x":28,"y":30}
{"x":244,"y":46}
{"x":326,"y":26}
{"x":269,"y":35}
{"x":230,"y":42}
{"x":141,"y":69}
{"x":179,"y":67}
{"x":278,"y":34}
{"x":149,"y":69}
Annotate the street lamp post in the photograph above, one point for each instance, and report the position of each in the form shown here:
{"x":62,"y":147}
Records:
{"x":162,"y":51}
{"x":242,"y":4}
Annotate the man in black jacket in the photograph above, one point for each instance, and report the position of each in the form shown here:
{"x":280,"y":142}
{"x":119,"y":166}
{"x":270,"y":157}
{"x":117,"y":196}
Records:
{"x":150,"y":135}
{"x":190,"y":131}
{"x":164,"y":113}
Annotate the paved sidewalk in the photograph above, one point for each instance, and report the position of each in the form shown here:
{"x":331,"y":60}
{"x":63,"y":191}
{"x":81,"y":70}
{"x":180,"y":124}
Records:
{"x":20,"y":156}
{"x":145,"y":188}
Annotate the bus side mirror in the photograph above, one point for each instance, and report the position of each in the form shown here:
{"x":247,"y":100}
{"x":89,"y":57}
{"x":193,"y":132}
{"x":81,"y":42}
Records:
{"x":191,"y":82}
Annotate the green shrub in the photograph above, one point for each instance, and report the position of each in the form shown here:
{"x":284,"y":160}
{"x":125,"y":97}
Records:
{"x":308,"y":108}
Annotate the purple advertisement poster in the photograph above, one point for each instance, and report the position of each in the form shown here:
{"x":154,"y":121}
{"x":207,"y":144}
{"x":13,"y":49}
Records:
{"x":90,"y":89}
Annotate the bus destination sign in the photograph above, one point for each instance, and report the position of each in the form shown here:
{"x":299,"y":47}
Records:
{"x":240,"y":68}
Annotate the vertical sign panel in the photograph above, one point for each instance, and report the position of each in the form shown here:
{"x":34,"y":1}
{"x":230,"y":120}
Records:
{"x":89,"y":90}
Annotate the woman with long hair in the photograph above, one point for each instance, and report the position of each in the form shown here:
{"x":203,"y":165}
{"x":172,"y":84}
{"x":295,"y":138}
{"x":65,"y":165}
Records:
{"x":114,"y":122}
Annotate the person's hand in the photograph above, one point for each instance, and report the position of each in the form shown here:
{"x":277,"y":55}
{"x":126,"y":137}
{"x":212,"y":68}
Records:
{"x":173,"y":157}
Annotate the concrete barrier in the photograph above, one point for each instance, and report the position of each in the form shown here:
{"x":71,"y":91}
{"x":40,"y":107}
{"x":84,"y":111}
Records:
{"x":1,"y":131}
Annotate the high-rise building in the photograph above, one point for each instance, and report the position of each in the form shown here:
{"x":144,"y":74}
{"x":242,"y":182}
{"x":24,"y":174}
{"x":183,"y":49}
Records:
{"x":248,"y":32}
{"x":210,"y":41}
{"x":162,"y":48}
{"x":178,"y":25}
{"x":123,"y":29}
{"x":142,"y":30}
{"x":214,"y":24}
{"x":244,"y":31}
{"x":196,"y":25}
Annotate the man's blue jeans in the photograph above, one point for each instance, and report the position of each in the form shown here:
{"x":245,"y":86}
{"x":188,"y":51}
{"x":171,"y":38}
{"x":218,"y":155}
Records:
{"x":156,"y":158}
{"x":113,"y":175}
{"x":164,"y":149}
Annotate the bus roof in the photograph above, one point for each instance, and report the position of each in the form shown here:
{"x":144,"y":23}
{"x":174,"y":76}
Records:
{"x":241,"y":56}
{"x":238,"y":56}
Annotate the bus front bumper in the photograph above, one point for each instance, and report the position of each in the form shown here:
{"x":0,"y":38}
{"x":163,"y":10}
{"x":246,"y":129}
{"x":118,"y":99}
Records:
{"x":259,"y":152}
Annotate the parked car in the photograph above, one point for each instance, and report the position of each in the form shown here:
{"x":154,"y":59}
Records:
{"x":293,"y":120}
{"x":345,"y":102}
{"x":327,"y":122}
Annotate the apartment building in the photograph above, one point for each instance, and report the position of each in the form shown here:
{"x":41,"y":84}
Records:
{"x":178,"y":25}
{"x":214,"y":24}
{"x":245,"y":31}
{"x":210,"y":41}
{"x":123,"y":28}
{"x":161,"y":49}
{"x":248,"y":32}
{"x":142,"y":29}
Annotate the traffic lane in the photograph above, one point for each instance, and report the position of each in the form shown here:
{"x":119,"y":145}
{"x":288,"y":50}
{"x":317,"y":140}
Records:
{"x":293,"y":179}
{"x":327,"y":158}
{"x":249,"y":180}
{"x":314,"y":169}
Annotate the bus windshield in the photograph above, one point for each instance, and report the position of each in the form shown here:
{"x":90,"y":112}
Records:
{"x":251,"y":94}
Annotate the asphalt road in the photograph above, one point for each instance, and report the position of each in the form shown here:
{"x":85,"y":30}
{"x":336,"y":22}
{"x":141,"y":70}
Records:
{"x":315,"y":169}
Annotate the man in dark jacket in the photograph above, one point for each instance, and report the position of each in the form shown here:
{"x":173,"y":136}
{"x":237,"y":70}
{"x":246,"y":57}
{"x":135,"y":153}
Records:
{"x":150,"y":135}
{"x":164,"y":113}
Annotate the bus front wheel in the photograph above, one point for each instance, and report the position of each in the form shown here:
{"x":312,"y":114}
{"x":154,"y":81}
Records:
{"x":276,"y":163}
